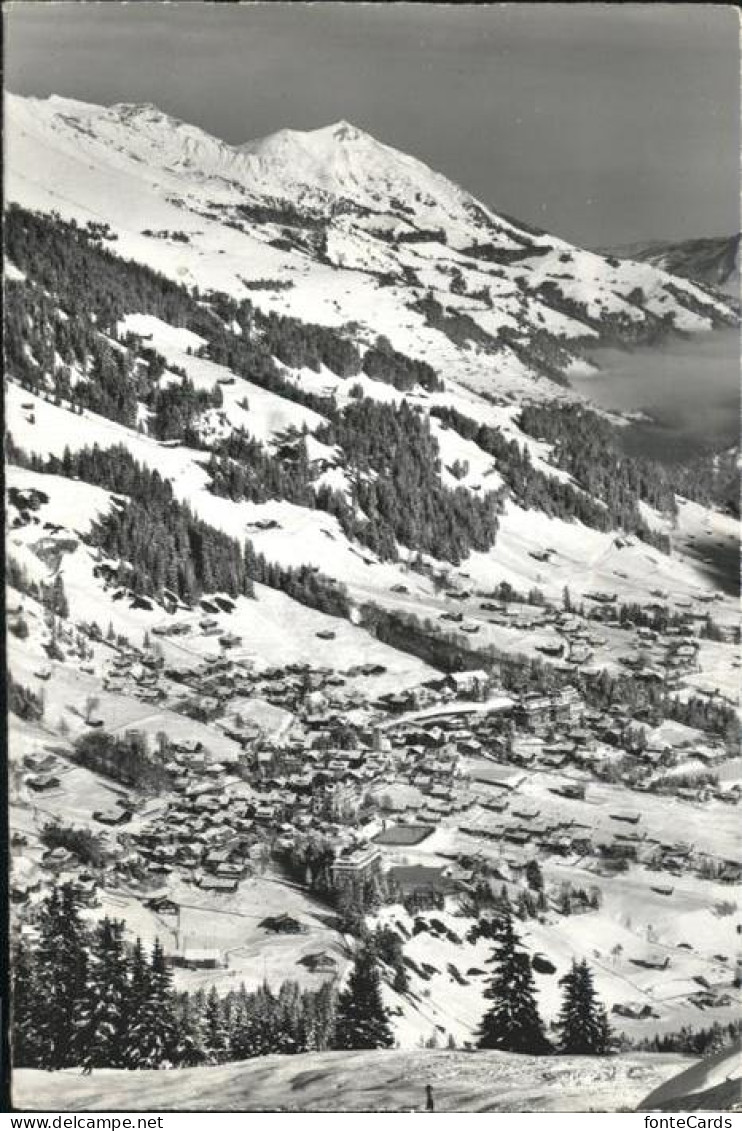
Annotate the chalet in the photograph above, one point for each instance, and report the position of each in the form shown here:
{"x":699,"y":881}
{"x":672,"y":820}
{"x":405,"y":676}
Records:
{"x":204,"y":959}
{"x":634,"y":1011}
{"x":554,"y":761}
{"x":524,"y":750}
{"x":216,"y":857}
{"x":58,"y":858}
{"x":494,"y":804}
{"x":685,"y":793}
{"x":187,"y":746}
{"x":515,"y":834}
{"x":229,"y":640}
{"x":319,"y":962}
{"x":220,"y":884}
{"x":162,"y":905}
{"x":580,"y":737}
{"x":42,"y":782}
{"x":652,"y":963}
{"x":230,"y":871}
{"x":283,"y":925}
{"x":630,"y":817}
{"x":147,"y":695}
{"x":554,"y":650}
{"x":113,"y":816}
{"x":525,"y":812}
{"x":469,"y":746}
{"x":618,"y":850}
{"x":39,"y":763}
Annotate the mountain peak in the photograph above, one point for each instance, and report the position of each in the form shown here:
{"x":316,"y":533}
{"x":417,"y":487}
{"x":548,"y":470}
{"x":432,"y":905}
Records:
{"x":137,"y":110}
{"x":343,"y":131}
{"x":323,"y":138}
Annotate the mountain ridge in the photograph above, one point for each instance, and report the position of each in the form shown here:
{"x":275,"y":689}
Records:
{"x":357,"y":231}
{"x":711,"y":260}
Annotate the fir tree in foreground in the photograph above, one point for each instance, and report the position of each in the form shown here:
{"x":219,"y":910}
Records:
{"x":104,"y":1004}
{"x":60,"y":978}
{"x":153,"y":1032}
{"x":512,"y":1023}
{"x":23,"y":1020}
{"x":583,"y":1023}
{"x":362,"y":1020}
{"x":82,"y":997}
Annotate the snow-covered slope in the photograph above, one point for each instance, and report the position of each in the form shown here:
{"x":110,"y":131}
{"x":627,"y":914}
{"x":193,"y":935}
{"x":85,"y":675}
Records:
{"x":348,"y":231}
{"x":341,"y":162}
{"x":713,"y":1084}
{"x":344,"y":234}
{"x":713,"y":260}
{"x":359,"y":1081}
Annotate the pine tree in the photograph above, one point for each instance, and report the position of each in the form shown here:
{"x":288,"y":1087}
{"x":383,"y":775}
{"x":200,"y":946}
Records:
{"x":362,"y":1020}
{"x":151,"y":1036}
{"x":534,"y":875}
{"x":215,"y":1029}
{"x":103,"y":1012}
{"x":136,"y":998}
{"x":324,"y":1015}
{"x":61,"y":606}
{"x":512,"y":1022}
{"x":244,"y":1037}
{"x":191,"y":1043}
{"x":62,"y":970}
{"x":24,"y":1005}
{"x":583,"y":1023}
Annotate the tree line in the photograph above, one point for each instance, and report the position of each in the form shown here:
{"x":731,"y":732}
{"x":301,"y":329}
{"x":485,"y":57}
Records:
{"x":586,"y":445}
{"x":613,"y":505}
{"x":161,"y":545}
{"x":394,"y":470}
{"x":84,"y":997}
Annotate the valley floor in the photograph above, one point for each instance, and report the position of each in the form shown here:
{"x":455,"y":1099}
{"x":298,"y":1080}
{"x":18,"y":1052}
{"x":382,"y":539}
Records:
{"x":390,"y":1080}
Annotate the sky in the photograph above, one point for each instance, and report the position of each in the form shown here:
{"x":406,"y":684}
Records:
{"x":605,"y":124}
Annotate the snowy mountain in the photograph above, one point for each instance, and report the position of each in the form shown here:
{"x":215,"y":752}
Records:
{"x":712,"y":261}
{"x":349,"y":231}
{"x":291,"y":447}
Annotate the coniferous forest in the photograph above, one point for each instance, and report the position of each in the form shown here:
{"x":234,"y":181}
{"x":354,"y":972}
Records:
{"x":396,"y":496}
{"x":162,"y":545}
{"x":84,"y":996}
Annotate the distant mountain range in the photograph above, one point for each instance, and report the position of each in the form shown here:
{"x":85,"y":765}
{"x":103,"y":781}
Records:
{"x":713,"y":261}
{"x":335,"y":226}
